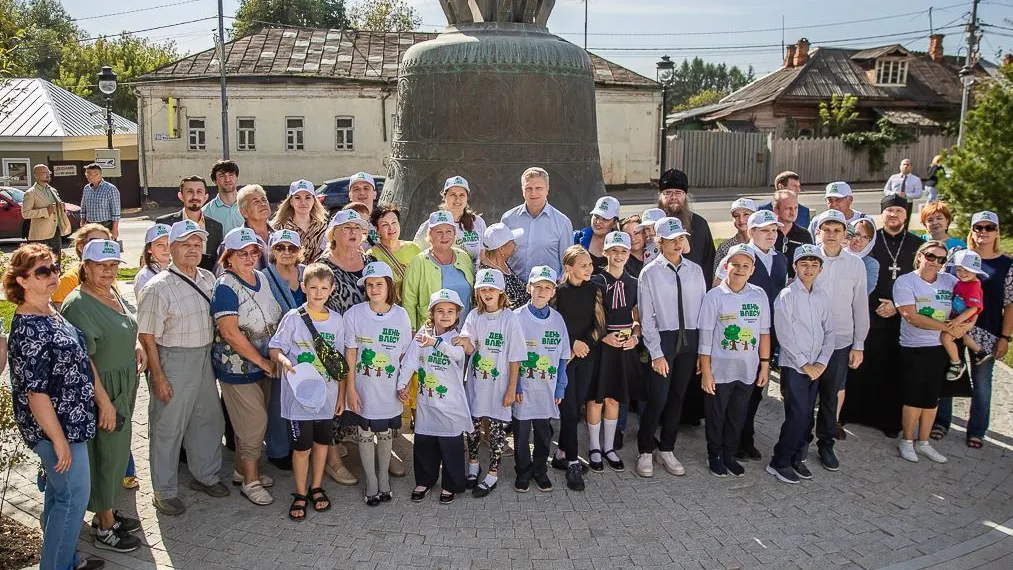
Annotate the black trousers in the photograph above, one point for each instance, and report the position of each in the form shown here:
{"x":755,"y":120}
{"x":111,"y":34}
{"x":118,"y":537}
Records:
{"x":579,"y":373}
{"x":434,"y":457}
{"x":526,"y":466}
{"x":830,"y":383}
{"x":748,"y":429}
{"x":726,"y":412}
{"x":665,"y":394}
{"x":799,"y":393}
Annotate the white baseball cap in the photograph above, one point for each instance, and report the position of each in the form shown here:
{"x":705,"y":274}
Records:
{"x":542,"y":273}
{"x":669,"y":228}
{"x":617,"y":239}
{"x":740,"y":249}
{"x":361,"y":177}
{"x":964,"y":258}
{"x":498,"y":234}
{"x":742,"y":204}
{"x":650,"y":216}
{"x":806,"y":250}
{"x":238,"y":238}
{"x":606,"y":208}
{"x":838,"y":190}
{"x":441,"y":218}
{"x":445,"y":296}
{"x":374,"y":269}
{"x":184,"y":229}
{"x":456,"y":181}
{"x":342,"y":217}
{"x":762,"y":219}
{"x":984,"y":216}
{"x":156,"y":231}
{"x":284,"y":236}
{"x":490,"y":278}
{"x":831,"y":216}
{"x":302,"y":185}
{"x":308,"y":386}
{"x":100,"y":250}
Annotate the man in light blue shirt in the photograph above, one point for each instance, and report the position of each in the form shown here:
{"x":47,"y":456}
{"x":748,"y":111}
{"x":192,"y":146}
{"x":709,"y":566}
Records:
{"x":224,"y":208}
{"x":547,"y":232}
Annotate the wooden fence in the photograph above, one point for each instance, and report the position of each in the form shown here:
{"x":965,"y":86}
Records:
{"x":715,"y":159}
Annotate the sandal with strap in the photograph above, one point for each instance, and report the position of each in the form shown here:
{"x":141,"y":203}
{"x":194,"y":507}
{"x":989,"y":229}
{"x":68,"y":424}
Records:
{"x":297,"y":512}
{"x":937,"y":433}
{"x":975,"y":442}
{"x":317,"y":495}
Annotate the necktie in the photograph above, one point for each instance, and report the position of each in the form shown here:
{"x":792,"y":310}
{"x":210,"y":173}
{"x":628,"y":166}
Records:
{"x":903,"y":182}
{"x":681,"y":342}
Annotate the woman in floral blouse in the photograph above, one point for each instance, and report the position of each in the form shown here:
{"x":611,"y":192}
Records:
{"x":56,"y":403}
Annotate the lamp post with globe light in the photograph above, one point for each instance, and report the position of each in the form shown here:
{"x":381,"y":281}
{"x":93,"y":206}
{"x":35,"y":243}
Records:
{"x":967,"y":80}
{"x":107,"y":85}
{"x":666,"y":68}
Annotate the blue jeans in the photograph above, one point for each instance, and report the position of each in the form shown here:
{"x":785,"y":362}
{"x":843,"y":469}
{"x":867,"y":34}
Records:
{"x":277,"y":438}
{"x":981,"y":402}
{"x":64,"y":506}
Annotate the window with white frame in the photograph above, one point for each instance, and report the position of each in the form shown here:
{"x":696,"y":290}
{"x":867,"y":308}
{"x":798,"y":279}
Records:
{"x":891,"y":72}
{"x":343,"y":133}
{"x":294,"y":133}
{"x":247,"y":133}
{"x":196,"y":133}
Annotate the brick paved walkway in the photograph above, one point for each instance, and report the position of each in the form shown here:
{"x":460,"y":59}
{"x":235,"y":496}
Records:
{"x":878,"y":511}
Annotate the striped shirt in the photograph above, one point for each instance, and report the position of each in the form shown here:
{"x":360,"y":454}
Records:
{"x":173,"y":312}
{"x":100,"y":204}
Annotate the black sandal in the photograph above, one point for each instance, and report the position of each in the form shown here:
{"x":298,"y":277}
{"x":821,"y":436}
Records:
{"x":419,"y":496}
{"x":472,"y":480}
{"x":447,"y":498}
{"x":385,"y":496}
{"x":372,"y":500}
{"x":937,"y":433}
{"x":317,"y":495}
{"x":975,"y":442}
{"x":300,"y":509}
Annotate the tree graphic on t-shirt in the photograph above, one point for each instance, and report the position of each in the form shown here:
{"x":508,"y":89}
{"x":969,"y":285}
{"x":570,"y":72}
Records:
{"x":390,"y":370}
{"x":530,"y":364}
{"x":380,"y":362}
{"x":367,"y":360}
{"x":746,"y":337}
{"x":543,"y":365}
{"x":495,"y":373}
{"x":731,"y":337}
{"x":422,"y":380}
{"x":305,"y":357}
{"x":484,"y":365}
{"x":441,"y":390}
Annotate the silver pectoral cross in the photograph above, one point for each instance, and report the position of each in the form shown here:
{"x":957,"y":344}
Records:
{"x":894,"y":269}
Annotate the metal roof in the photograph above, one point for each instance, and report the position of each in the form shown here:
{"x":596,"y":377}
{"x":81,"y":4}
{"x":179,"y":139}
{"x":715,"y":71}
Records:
{"x":335,"y":54}
{"x":36,"y":108}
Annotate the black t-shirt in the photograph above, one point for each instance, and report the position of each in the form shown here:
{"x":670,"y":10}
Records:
{"x":576,"y":304}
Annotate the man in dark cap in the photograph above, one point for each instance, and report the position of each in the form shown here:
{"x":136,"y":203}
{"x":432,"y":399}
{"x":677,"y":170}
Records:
{"x":874,"y":397}
{"x":673,"y":198}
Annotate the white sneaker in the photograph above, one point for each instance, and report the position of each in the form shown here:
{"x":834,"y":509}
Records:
{"x":671,"y":464}
{"x":907,"y":450}
{"x":927,"y":450}
{"x":256,"y":493}
{"x":645,"y":465}
{"x":265,"y":480}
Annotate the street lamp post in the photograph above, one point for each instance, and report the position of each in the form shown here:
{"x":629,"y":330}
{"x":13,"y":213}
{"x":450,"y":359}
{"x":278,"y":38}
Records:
{"x":107,"y":85}
{"x":666,"y":68}
{"x":967,"y":80}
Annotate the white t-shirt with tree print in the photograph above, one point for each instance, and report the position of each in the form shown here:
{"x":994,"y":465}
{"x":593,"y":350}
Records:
{"x":498,"y":341}
{"x":380,"y":341}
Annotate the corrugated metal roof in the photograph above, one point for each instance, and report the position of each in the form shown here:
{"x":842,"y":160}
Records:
{"x":335,"y":54}
{"x":36,"y":108}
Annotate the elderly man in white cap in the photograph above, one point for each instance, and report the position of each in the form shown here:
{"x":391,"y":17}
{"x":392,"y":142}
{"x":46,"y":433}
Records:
{"x":547,"y":231}
{"x":740,"y":210}
{"x":839,"y":197}
{"x":176,"y":330}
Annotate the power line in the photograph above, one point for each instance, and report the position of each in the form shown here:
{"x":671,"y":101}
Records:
{"x":131,"y":32}
{"x":134,"y":11}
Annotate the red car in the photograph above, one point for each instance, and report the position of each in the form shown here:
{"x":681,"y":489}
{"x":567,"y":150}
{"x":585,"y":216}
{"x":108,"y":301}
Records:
{"x":13,"y":226}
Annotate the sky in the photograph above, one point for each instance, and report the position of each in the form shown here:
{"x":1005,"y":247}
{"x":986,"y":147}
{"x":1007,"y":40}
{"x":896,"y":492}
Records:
{"x":636,"y":33}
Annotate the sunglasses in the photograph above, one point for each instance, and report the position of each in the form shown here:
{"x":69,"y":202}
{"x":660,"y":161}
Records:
{"x":985,"y":229}
{"x":47,"y":270}
{"x":286,"y":247}
{"x":934,"y":258}
{"x":246,"y":254}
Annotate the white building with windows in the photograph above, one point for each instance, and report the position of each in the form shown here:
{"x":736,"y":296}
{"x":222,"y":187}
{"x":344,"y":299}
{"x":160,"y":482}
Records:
{"x":319,"y":104}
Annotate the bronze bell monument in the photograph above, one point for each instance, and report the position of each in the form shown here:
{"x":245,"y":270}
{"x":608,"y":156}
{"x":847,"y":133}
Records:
{"x":492,"y":95}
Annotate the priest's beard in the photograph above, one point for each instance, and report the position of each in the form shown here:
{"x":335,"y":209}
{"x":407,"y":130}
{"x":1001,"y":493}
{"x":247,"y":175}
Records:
{"x":683,"y":212}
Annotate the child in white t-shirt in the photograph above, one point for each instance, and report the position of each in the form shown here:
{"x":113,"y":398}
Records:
{"x":734,"y":344}
{"x":496,"y":347}
{"x":310,"y":427}
{"x":441,"y":406}
{"x":377,"y":334}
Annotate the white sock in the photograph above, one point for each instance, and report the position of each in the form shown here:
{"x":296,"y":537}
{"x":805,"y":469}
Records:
{"x":490,"y":480}
{"x":593,"y":436}
{"x":560,"y":454}
{"x":610,"y":434}
{"x":473,"y":469}
{"x":924,"y":443}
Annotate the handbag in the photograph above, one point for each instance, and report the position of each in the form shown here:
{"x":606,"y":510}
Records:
{"x":332,"y":359}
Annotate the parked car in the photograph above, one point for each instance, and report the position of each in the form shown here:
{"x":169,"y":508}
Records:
{"x":13,"y":226}
{"x":333,"y":194}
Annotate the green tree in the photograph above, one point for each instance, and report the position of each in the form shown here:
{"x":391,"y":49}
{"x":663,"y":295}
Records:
{"x":838,"y":116}
{"x":701,"y":99}
{"x":255,"y":15}
{"x":693,"y":77}
{"x":980,"y":171}
{"x":441,"y":390}
{"x":385,"y":16}
{"x":34,"y":33}
{"x":731,"y":334}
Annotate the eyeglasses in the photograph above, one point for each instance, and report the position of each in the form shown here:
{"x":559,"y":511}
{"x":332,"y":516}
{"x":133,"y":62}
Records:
{"x":47,"y":270}
{"x":934,"y":258}
{"x":987,"y":229}
{"x":246,"y":254}
{"x":281,"y":247}
{"x":671,"y":192}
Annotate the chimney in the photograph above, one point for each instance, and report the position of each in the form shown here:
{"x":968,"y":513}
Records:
{"x":801,"y":52}
{"x":936,"y":47}
{"x":789,"y":55}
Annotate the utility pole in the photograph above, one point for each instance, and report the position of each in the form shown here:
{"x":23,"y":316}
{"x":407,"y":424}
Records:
{"x":967,"y":72}
{"x":586,"y":2}
{"x":220,"y":40}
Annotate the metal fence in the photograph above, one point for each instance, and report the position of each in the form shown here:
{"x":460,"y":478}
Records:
{"x":715,"y":159}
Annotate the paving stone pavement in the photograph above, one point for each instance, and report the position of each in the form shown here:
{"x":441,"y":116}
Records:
{"x":878,"y":511}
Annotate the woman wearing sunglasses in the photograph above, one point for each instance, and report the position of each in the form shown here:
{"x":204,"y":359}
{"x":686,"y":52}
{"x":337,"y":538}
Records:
{"x":923,"y":299}
{"x":56,"y":406}
{"x":992,"y":331}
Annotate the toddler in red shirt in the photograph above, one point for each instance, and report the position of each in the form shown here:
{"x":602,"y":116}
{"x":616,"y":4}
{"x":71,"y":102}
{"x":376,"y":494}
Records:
{"x":967,"y":305}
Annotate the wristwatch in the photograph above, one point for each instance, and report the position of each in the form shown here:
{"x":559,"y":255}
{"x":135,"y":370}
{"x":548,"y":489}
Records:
{"x":1009,"y":338}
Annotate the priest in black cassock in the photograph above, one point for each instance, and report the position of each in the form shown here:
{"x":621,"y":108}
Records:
{"x":874,"y":397}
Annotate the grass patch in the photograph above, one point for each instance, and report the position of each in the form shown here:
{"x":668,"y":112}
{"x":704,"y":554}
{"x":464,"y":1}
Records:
{"x":6,"y":313}
{"x":127,"y":273}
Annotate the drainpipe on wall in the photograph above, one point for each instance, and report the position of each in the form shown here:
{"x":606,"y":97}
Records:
{"x":385,"y":94}
{"x":142,"y":162}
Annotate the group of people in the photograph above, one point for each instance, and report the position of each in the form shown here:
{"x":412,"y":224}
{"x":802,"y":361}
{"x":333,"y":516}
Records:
{"x":305,"y":336}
